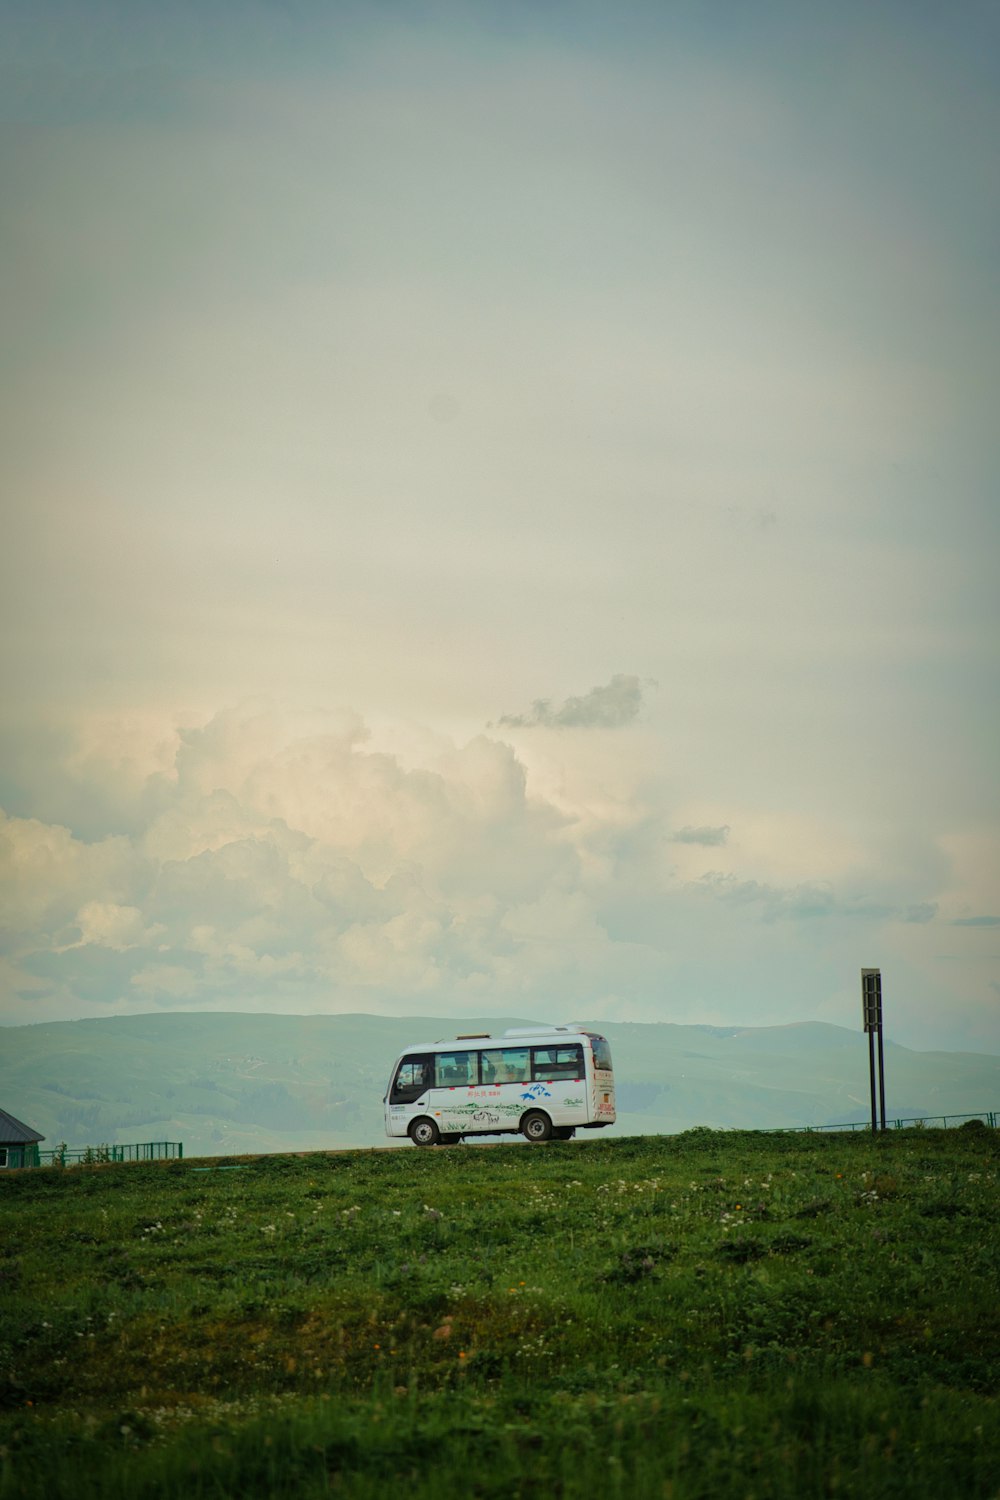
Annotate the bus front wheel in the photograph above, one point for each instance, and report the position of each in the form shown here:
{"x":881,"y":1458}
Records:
{"x":536,"y":1126}
{"x":424,"y":1132}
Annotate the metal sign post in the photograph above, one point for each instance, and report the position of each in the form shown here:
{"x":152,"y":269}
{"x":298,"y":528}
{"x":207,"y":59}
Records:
{"x":871,"y":1011}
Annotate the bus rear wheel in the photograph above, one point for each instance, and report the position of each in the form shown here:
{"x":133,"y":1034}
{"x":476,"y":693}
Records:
{"x":424,"y":1132}
{"x":536,"y":1126}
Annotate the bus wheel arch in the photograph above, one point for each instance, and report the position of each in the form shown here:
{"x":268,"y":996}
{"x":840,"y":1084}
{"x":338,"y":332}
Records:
{"x":423,"y":1132}
{"x":536,"y":1125}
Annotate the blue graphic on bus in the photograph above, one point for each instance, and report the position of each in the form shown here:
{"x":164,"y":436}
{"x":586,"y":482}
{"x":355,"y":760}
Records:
{"x":537,"y":1091}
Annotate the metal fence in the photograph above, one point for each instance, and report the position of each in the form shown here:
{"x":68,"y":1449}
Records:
{"x":145,"y":1151}
{"x":920,"y":1122}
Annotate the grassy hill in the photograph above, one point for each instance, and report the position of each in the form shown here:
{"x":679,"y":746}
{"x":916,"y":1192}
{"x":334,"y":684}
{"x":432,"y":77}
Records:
{"x":708,"y":1316}
{"x":226,"y":1082}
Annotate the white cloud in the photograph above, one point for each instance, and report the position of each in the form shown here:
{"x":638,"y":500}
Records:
{"x":44,"y":870}
{"x":287,"y":863}
{"x":110,"y":925}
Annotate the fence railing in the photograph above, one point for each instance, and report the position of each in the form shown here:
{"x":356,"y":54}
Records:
{"x":985,"y":1116}
{"x":144,"y":1151}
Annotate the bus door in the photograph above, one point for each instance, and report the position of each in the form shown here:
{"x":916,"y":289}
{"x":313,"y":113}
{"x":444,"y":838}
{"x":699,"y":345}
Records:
{"x":414,"y":1076}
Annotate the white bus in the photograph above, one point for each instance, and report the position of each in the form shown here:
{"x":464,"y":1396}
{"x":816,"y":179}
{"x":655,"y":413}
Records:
{"x":544,"y":1082}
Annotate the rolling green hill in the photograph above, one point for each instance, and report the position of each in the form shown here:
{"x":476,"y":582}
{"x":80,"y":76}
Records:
{"x":235,"y":1083}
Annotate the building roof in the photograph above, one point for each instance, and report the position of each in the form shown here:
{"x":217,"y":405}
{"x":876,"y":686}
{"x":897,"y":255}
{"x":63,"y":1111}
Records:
{"x":14,"y":1132}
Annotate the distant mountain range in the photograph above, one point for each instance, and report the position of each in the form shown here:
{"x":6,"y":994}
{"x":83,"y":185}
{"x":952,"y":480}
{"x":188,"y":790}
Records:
{"x":226,"y":1083}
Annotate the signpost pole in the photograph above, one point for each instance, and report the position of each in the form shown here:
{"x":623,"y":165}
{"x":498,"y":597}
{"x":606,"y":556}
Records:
{"x":871,"y":1012}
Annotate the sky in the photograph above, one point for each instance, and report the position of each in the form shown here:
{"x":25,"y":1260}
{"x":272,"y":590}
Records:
{"x":500,"y":511}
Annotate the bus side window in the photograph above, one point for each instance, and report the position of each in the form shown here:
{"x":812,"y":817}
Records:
{"x":492,"y":1067}
{"x":456,"y":1069}
{"x":507,"y":1065}
{"x":516,"y":1062}
{"x":558,"y":1062}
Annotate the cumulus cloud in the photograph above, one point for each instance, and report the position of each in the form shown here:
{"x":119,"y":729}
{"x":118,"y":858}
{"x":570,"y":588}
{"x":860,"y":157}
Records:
{"x":46,"y":874}
{"x":612,"y":706}
{"x":289,"y":857}
{"x":110,"y":925}
{"x":286,"y":862}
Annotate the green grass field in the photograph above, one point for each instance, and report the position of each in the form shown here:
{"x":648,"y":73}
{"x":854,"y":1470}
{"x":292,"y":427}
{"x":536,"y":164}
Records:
{"x":712,"y":1314}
